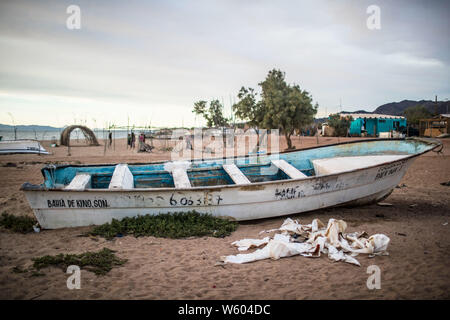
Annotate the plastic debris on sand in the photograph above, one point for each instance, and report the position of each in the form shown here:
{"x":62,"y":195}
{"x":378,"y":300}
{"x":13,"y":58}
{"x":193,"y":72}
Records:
{"x":311,"y":240}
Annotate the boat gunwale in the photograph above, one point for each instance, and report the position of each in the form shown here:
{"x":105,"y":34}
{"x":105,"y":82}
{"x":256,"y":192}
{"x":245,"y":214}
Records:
{"x":31,"y":187}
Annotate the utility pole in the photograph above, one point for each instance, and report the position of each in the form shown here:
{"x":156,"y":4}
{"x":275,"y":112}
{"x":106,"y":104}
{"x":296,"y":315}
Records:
{"x":435,"y":105}
{"x":104,"y":141}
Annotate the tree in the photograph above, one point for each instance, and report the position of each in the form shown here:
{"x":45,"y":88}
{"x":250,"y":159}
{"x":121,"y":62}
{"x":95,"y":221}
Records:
{"x":248,"y":109}
{"x":414,"y":114}
{"x":212,"y":114}
{"x":282,"y":106}
{"x":340,"y":124}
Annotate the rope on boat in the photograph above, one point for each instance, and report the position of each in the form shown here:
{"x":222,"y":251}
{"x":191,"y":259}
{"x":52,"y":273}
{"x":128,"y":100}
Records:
{"x":440,"y":150}
{"x":431,"y":141}
{"x":51,"y":171}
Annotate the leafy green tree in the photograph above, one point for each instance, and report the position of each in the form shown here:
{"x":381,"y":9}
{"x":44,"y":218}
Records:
{"x":340,"y":124}
{"x":212,"y":114}
{"x":248,"y":108}
{"x":414,"y":114}
{"x":280,"y":105}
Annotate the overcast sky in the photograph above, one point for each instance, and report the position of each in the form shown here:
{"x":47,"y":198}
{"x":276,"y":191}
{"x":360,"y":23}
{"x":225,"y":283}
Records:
{"x":149,"y":61}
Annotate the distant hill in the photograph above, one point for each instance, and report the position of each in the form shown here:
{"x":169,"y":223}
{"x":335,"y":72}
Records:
{"x":398,"y":108}
{"x":6,"y":127}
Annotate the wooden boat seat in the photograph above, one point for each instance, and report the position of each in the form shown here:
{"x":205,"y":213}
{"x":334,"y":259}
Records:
{"x":80,"y":182}
{"x":122,"y":178}
{"x":291,"y":171}
{"x":235,"y":174}
{"x":180,"y":178}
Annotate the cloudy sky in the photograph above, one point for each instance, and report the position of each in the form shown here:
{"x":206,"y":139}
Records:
{"x":146,"y":62}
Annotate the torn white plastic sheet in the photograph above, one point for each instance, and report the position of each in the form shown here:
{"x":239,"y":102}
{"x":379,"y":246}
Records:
{"x":293,"y":238}
{"x":245,"y":244}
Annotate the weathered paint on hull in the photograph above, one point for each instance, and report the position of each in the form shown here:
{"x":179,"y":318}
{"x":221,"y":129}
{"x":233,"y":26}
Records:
{"x":59,"y":209}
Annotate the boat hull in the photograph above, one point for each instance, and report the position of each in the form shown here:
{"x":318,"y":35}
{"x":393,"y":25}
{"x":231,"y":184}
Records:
{"x":21,"y":146}
{"x":68,"y":208}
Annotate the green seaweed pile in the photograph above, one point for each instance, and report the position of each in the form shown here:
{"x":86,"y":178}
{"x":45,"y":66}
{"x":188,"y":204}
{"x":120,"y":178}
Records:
{"x":100,"y":262}
{"x":170,"y":225}
{"x":22,"y":224}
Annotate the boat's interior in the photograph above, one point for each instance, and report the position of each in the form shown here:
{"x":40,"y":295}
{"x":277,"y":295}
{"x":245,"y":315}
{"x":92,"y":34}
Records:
{"x":237,"y":171}
{"x":214,"y":175}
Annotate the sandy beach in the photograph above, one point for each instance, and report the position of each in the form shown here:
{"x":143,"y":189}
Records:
{"x":158,"y":268}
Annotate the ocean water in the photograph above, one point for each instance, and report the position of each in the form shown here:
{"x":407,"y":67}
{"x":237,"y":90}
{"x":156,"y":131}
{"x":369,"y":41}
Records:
{"x":49,"y":135}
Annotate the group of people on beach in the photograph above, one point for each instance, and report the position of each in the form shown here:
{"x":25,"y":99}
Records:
{"x":131,"y":140}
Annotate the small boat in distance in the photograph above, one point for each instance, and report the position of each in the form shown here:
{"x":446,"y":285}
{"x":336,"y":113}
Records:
{"x":21,"y":146}
{"x":240,"y":188}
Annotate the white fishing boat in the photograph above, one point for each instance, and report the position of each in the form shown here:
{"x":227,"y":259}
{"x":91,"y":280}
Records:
{"x":240,"y":188}
{"x":21,"y":146}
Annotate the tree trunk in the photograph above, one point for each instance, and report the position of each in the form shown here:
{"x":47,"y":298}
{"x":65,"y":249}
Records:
{"x":288,"y":140}
{"x":257,"y":140}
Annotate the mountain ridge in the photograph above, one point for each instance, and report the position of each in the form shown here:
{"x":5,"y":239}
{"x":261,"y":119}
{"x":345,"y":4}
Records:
{"x":398,"y":108}
{"x":31,"y":127}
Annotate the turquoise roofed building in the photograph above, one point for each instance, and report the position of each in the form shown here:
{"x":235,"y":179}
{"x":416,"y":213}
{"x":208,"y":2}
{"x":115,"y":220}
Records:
{"x":369,"y":124}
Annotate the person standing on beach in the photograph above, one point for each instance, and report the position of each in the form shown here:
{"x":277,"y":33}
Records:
{"x":133,"y":140}
{"x":110,"y":138}
{"x":141,"y":141}
{"x":128,"y":140}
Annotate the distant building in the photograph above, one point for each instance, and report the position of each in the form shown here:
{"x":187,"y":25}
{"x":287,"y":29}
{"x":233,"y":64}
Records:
{"x":434,"y":127}
{"x":369,"y":124}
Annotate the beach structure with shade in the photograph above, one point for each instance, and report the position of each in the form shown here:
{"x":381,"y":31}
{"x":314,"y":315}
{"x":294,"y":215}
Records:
{"x":89,"y":135}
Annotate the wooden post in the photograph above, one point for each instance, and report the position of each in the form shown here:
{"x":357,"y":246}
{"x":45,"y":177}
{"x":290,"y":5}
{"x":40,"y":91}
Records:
{"x":104,"y":142}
